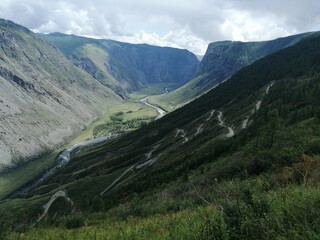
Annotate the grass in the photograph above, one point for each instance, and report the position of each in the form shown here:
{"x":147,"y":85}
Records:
{"x":187,"y":224}
{"x":238,"y":213}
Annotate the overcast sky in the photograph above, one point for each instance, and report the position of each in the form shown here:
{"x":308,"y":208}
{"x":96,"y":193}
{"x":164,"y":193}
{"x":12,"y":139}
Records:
{"x":190,"y":24}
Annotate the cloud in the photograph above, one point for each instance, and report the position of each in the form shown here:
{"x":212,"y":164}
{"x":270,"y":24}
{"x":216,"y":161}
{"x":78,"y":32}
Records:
{"x":242,"y":26}
{"x":179,"y":23}
{"x":177,"y":39}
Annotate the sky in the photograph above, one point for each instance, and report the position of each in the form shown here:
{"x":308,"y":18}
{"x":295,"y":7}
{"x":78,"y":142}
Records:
{"x":188,"y":24}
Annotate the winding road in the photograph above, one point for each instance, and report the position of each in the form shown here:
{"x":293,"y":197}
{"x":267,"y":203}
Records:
{"x":222,"y":124}
{"x":200,"y":128}
{"x":53,"y":198}
{"x":182,"y":133}
{"x":257,"y":107}
{"x":160,"y":111}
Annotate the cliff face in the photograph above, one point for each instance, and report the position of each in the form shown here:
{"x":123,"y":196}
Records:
{"x":44,"y":99}
{"x":141,"y":64}
{"x":221,"y":61}
{"x":225,"y":58}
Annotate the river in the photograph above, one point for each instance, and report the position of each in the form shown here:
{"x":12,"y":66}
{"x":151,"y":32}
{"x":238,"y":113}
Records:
{"x":62,"y":159}
{"x":160,"y":111}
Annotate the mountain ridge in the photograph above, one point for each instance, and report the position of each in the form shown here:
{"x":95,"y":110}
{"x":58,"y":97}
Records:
{"x":44,"y":98}
{"x":221,"y":61}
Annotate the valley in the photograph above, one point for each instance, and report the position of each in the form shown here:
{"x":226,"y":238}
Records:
{"x":133,"y":109}
{"x":225,"y":148}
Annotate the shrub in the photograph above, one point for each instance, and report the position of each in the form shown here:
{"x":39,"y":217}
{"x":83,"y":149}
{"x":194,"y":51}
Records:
{"x":74,"y":221}
{"x":3,"y":230}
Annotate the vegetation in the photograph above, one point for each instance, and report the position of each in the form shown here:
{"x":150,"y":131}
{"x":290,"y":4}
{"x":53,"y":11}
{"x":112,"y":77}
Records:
{"x":168,"y":181}
{"x":117,"y":125}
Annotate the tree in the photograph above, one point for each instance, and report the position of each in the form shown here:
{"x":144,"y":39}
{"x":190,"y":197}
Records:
{"x":305,"y":167}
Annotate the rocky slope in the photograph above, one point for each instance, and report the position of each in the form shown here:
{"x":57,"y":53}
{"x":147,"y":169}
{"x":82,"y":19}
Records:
{"x":126,"y":67}
{"x":44,"y":99}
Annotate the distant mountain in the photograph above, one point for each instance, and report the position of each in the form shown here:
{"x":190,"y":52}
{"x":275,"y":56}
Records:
{"x":221,"y":61}
{"x":44,"y":98}
{"x":127,"y":67}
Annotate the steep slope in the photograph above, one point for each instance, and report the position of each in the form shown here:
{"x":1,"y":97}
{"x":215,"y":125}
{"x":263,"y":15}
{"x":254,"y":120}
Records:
{"x":255,"y":178}
{"x":221,"y":61}
{"x":44,"y":98}
{"x":126,"y":67}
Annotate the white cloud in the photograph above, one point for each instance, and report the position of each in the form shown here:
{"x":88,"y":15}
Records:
{"x":241,"y":26}
{"x":177,"y":39}
{"x":179,"y":23}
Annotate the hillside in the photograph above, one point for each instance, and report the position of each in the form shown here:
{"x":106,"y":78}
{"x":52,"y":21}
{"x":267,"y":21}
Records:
{"x":221,"y":61}
{"x":127,"y":67}
{"x":240,"y":162}
{"x":44,"y":99}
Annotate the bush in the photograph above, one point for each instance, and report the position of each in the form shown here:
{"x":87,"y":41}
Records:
{"x":74,"y":221}
{"x":3,"y":230}
{"x":119,"y":113}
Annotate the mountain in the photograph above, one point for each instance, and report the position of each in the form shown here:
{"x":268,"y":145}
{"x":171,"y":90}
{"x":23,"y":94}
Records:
{"x":127,"y":67}
{"x":44,"y":99}
{"x":181,"y":136}
{"x":221,"y":61}
{"x":239,"y":162}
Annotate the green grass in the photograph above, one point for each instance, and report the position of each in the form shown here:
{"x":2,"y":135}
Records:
{"x":245,"y":211}
{"x":187,"y":224}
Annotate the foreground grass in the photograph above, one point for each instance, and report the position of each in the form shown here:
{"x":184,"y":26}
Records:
{"x":287,"y":213}
{"x":186,"y":224}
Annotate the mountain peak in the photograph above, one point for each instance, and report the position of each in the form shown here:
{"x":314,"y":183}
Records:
{"x":5,"y":24}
